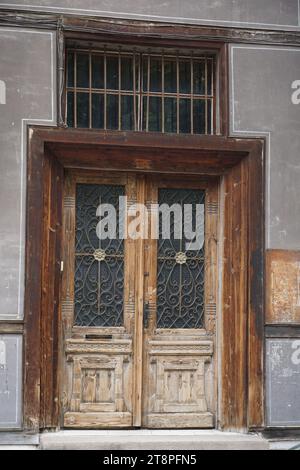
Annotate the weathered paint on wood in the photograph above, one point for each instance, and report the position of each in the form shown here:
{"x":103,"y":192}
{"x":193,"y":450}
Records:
{"x":242,"y":402}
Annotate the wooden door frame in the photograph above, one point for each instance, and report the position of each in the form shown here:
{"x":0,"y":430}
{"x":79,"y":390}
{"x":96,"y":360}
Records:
{"x":240,"y":165}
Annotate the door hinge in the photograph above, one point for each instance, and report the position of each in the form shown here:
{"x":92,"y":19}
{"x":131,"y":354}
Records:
{"x":61,"y":266}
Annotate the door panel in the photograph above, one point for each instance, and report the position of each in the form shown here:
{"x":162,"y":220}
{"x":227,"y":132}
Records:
{"x":180,"y":302}
{"x":98,"y":307}
{"x":138,"y":314}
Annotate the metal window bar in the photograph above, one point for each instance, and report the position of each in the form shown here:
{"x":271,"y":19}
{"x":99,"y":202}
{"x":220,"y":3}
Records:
{"x":75,"y":89}
{"x":105,"y":84}
{"x":140,"y":101}
{"x":140,"y":115}
{"x":162,"y":93}
{"x":90,"y":92}
{"x":148,"y":91}
{"x":205,"y":91}
{"x":213,"y":87}
{"x":192,"y":95}
{"x":134,"y":90}
{"x":177,"y":95}
{"x":119,"y":91}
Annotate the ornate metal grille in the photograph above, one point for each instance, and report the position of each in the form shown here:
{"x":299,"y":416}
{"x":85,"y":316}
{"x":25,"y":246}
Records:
{"x":180,"y":272}
{"x":141,"y":91}
{"x":99,"y":264}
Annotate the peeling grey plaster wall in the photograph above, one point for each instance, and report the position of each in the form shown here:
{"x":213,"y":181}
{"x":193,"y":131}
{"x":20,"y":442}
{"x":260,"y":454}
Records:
{"x":283,"y":382}
{"x":27,"y":74}
{"x":261,"y":104}
{"x":27,"y":96}
{"x":263,"y":13}
{"x":10,"y":381}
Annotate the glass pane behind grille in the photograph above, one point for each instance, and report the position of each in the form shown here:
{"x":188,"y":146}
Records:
{"x":180,"y":271}
{"x":99,"y":283}
{"x":140,"y":91}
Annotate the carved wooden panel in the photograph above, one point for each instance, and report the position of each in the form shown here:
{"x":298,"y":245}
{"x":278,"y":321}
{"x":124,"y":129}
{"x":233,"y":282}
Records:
{"x":181,"y":385}
{"x":177,"y":384}
{"x":283,"y":287}
{"x":99,"y":388}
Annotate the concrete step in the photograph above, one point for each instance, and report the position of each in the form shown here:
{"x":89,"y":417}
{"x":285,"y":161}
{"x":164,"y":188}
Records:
{"x":18,"y":447}
{"x":151,"y":440}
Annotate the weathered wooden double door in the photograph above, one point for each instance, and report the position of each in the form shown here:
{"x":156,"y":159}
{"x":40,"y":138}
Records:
{"x":138,"y":308}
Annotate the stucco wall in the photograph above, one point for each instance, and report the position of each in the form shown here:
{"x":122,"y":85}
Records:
{"x":261,"y":103}
{"x":27,"y":95}
{"x":261,"y":80}
{"x":270,"y":14}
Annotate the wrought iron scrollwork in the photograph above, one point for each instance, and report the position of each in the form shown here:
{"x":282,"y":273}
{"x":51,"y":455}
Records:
{"x":99,"y":264}
{"x":180,"y":272}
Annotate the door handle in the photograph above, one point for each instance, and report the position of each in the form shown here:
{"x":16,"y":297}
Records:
{"x":146,"y":313}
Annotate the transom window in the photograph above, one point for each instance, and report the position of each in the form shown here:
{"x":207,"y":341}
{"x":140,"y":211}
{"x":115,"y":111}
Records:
{"x":141,"y":91}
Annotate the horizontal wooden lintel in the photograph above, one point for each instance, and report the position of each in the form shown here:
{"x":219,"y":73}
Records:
{"x":126,"y":29}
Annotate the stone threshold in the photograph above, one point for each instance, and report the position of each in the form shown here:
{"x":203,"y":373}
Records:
{"x":151,"y":440}
{"x":145,"y":439}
